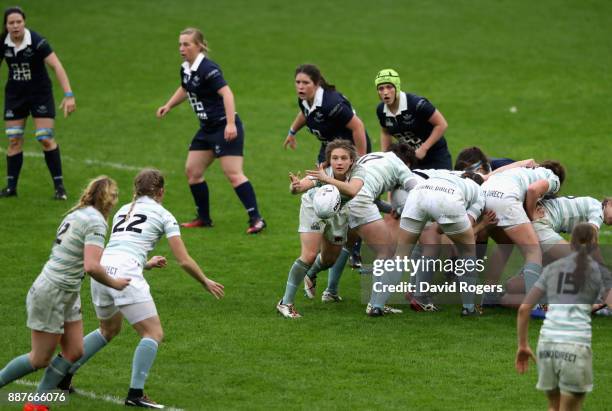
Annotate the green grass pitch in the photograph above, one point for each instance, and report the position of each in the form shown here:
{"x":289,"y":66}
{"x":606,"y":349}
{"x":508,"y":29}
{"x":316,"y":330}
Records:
{"x":473,"y":59}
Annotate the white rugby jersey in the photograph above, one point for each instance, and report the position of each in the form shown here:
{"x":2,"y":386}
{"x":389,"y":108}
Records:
{"x":568,"y":319}
{"x":384,"y":172}
{"x":356,"y":172}
{"x":522,"y":178}
{"x":564,"y":213}
{"x":470,"y":192}
{"x":85,"y":226}
{"x":137,"y":235}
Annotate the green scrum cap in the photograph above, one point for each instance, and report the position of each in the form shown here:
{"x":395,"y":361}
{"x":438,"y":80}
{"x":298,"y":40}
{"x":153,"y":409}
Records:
{"x":388,"y":76}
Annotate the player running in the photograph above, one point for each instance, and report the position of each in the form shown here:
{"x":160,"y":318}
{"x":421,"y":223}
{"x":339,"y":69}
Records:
{"x":53,"y":302}
{"x":137,"y":227}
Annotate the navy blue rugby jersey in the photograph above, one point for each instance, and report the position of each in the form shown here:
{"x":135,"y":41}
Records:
{"x":411,"y":125}
{"x":328,"y":116}
{"x":499,"y":162}
{"x":26,"y":63}
{"x":202,"y":80}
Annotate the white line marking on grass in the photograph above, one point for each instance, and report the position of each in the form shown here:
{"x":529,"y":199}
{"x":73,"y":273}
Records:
{"x":87,"y":161}
{"x":93,"y":396}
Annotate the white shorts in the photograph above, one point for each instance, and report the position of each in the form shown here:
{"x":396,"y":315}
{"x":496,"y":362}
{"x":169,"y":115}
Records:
{"x":49,"y":306}
{"x":566,"y":366}
{"x":133,"y":313}
{"x":426,"y":204}
{"x":546,"y":235}
{"x":334,"y":229}
{"x":504,"y":199}
{"x":121,"y":266}
{"x":362,"y":210}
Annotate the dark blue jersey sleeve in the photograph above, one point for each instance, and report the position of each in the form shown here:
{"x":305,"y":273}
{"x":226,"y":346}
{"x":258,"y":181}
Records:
{"x":42,"y":47}
{"x":381,"y":114}
{"x":339,"y":110}
{"x":424,"y":109}
{"x":213,"y":78}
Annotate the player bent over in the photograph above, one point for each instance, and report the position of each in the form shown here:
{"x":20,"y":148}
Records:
{"x":324,"y":235}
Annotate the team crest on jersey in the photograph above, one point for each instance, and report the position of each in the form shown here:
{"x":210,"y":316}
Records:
{"x":196,"y":80}
{"x":28,"y":52}
{"x":9,"y":114}
{"x":319,"y":117}
{"x":407,"y":119}
{"x":8,"y":53}
{"x":388,"y":122}
{"x":315,"y":226}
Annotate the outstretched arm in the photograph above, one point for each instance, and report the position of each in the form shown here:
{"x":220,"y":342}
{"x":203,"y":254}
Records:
{"x":192,"y":268}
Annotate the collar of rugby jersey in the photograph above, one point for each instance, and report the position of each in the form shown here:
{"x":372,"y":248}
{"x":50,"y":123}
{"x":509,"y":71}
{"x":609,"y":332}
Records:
{"x":403,"y":105}
{"x":146,"y":199}
{"x":27,"y":40}
{"x":317,"y":102}
{"x":188,"y":69}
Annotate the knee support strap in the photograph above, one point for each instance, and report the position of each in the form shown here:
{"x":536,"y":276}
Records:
{"x":14,"y":132}
{"x":43,"y":133}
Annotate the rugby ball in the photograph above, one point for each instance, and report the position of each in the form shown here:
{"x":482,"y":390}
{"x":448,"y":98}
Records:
{"x":326,"y":201}
{"x":398,"y":199}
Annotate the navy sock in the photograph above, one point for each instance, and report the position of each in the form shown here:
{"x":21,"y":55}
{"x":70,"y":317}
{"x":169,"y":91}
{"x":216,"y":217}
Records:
{"x":199,"y":192}
{"x":13,"y":168}
{"x":54,"y":164}
{"x":246,"y":194}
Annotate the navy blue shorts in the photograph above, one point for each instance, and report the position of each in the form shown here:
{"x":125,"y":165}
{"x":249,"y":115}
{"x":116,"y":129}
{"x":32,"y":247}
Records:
{"x":211,"y":138}
{"x":19,"y":106}
{"x":439,"y":159}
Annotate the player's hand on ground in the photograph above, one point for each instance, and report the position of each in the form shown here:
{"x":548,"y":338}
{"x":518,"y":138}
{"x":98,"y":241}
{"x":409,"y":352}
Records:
{"x":162,"y":111}
{"x":290,"y":142}
{"x":214,"y":288}
{"x":68,"y":104}
{"x":523,"y":354}
{"x":230,"y":132}
{"x":120,"y":283}
{"x":157,"y":261}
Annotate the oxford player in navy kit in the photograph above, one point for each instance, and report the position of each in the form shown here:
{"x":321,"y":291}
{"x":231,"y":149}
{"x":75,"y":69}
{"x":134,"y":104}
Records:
{"x":413,"y":120}
{"x":327,"y":113}
{"x":28,"y":92}
{"x":220,"y":135}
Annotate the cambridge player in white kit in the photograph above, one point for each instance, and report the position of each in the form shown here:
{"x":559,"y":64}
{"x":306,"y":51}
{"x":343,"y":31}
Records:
{"x":561,"y":215}
{"x":453,"y":201}
{"x":513,"y":195}
{"x":54,"y":302}
{"x":322,"y":240}
{"x":137,"y":227}
{"x":571,"y":285}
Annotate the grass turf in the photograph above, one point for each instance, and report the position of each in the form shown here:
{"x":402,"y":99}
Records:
{"x":473,"y":59}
